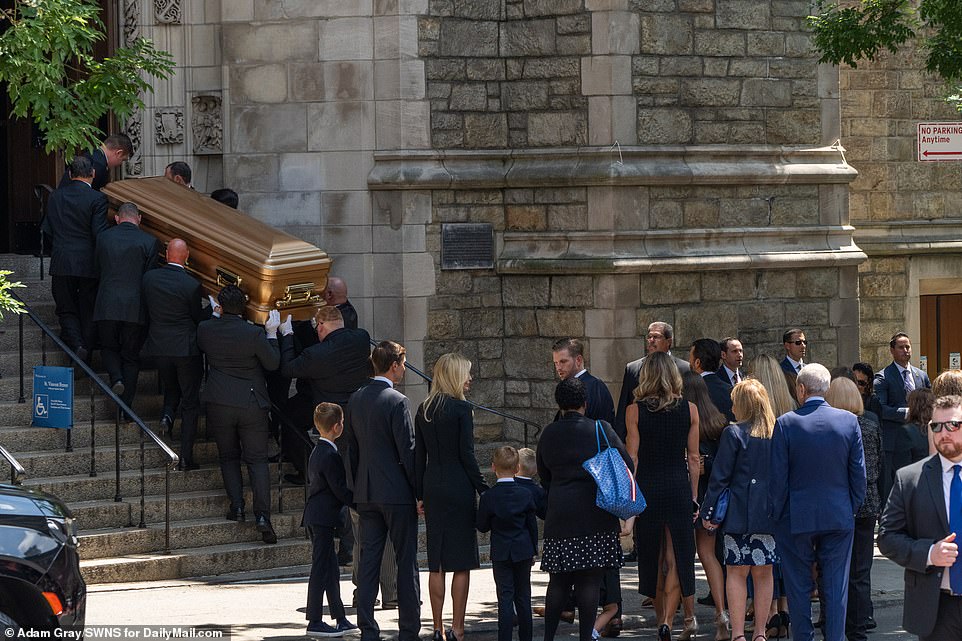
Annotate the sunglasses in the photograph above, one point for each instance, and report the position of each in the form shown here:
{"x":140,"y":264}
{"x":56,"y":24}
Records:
{"x":799,"y":342}
{"x":951,"y":426}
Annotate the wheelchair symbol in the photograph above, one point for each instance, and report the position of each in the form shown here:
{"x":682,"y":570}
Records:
{"x":40,"y":407}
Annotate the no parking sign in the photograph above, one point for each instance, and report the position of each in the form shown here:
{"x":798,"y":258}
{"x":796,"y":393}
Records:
{"x":53,"y":397}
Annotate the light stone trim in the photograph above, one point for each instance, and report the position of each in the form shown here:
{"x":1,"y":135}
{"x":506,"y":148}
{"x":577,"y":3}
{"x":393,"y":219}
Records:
{"x":678,"y":250}
{"x":910,"y":237}
{"x":649,"y":165}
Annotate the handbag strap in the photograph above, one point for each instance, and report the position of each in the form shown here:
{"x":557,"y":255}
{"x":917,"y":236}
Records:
{"x":599,"y":432}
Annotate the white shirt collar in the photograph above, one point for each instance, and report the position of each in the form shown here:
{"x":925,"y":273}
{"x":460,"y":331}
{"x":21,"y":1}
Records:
{"x":731,"y":374}
{"x":177,"y":265}
{"x":327,"y":440}
{"x":384,"y":379}
{"x":947,"y":464}
{"x":506,"y":480}
{"x":578,"y":375}
{"x":704,"y":374}
{"x":795,"y":364}
{"x":525,"y":478}
{"x":903,"y":369}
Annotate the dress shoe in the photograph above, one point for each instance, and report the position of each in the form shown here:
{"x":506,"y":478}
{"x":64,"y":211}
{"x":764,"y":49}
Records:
{"x":264,"y":526}
{"x":344,"y":559}
{"x":294,"y":479}
{"x":390,"y":605}
{"x":166,"y":425}
{"x":185,"y":466}
{"x":236,"y":514}
{"x":568,"y":616}
{"x":118,"y":387}
{"x":870,"y":624}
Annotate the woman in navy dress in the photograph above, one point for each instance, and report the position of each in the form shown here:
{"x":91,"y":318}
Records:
{"x":446,"y":481}
{"x":741,"y":466}
{"x":663,"y":440}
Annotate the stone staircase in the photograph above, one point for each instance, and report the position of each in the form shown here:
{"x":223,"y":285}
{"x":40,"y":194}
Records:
{"x":113,"y":546}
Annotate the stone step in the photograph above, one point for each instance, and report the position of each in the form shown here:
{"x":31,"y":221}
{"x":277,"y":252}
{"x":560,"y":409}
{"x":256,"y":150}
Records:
{"x":52,"y":464}
{"x":184,"y":506}
{"x":13,"y":413}
{"x":111,"y":542}
{"x":24,"y":267}
{"x":204,"y":560}
{"x":147,"y":382}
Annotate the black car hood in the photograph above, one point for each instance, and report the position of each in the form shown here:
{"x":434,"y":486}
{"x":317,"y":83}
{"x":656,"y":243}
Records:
{"x":24,"y":533}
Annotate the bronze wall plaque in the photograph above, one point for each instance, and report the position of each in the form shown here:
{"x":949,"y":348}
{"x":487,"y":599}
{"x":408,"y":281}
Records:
{"x":467,"y":246}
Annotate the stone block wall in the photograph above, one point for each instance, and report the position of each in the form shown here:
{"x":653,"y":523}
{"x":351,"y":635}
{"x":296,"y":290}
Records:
{"x":907,"y":214}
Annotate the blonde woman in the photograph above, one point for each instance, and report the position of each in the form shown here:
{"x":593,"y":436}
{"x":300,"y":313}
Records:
{"x":843,"y":394}
{"x":663,"y":441}
{"x":769,"y":373}
{"x":741,"y":466}
{"x":446,"y":481}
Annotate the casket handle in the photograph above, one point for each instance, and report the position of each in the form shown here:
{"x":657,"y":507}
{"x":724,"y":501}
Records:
{"x":225,"y":278}
{"x":297,"y":295}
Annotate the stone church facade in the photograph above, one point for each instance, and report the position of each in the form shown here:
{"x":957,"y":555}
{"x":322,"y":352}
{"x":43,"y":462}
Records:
{"x":634,"y":160}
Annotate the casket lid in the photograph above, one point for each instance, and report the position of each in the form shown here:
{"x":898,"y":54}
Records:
{"x":175,"y":212}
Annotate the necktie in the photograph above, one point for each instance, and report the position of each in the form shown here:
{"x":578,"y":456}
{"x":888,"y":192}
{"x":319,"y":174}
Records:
{"x":798,"y":367}
{"x":955,"y":525}
{"x":909,"y":382}
{"x":738,"y":379}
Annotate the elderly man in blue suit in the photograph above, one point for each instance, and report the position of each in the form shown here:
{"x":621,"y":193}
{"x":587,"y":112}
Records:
{"x":892,"y":386}
{"x":817,"y":484}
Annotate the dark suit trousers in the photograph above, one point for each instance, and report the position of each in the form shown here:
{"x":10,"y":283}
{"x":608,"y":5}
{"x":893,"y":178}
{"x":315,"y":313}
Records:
{"x":513,"y":582}
{"x":300,"y":412}
{"x":324,"y":576}
{"x":120,"y":345}
{"x":377,"y":523}
{"x":860,"y":580}
{"x":241,"y":434}
{"x":180,"y":377}
{"x":798,"y":552}
{"x":74,"y":297}
{"x":948,"y":623}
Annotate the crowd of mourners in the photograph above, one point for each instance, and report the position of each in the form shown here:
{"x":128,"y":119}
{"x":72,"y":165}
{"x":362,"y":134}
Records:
{"x":773,"y":472}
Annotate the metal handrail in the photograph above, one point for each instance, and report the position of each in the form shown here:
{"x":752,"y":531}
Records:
{"x":17,"y":473}
{"x":525,"y":422}
{"x":145,"y":432}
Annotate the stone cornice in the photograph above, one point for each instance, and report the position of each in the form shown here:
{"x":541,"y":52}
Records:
{"x":678,"y":250}
{"x":910,"y":237}
{"x":589,"y":166}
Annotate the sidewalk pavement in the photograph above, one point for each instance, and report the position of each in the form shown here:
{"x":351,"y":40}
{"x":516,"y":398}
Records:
{"x":263,"y":605}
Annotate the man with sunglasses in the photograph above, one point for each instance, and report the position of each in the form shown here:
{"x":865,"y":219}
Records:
{"x":793,"y":340}
{"x":892,"y":386}
{"x":919,"y":527}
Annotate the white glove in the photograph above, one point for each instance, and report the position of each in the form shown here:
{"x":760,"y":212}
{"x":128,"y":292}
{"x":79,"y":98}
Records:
{"x":215,"y":306}
{"x":287,"y":328}
{"x":273,"y":322}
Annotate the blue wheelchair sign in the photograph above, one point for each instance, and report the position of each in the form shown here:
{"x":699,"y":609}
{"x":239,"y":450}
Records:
{"x":53,"y":397}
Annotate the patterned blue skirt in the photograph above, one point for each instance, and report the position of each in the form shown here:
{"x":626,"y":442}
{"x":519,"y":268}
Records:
{"x":750,"y":549}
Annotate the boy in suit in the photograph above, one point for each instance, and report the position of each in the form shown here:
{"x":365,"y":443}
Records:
{"x":327,"y":494}
{"x":528,"y":463}
{"x":508,"y":511}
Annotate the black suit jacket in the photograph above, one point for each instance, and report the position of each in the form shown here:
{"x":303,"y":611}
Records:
{"x":349,"y":314}
{"x":238,"y":353}
{"x":537,"y":493}
{"x":336,"y":367}
{"x":720,"y":393}
{"x":124,"y":254}
{"x":327,"y":490}
{"x":76,"y":215}
{"x":914,"y":518}
{"x":600,"y":406}
{"x":628,"y":385}
{"x":380,"y":445}
{"x":890,"y":388}
{"x":101,"y":171}
{"x":723,"y":374}
{"x":507,"y":510}
{"x":173,"y":299}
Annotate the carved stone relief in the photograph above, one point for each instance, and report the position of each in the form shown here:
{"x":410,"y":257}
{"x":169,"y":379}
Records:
{"x":134,"y":125}
{"x":168,"y":11}
{"x":169,"y":126}
{"x":207,"y":124}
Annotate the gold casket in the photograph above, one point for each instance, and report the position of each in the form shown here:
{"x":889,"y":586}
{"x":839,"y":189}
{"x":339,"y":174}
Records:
{"x":275,"y":270}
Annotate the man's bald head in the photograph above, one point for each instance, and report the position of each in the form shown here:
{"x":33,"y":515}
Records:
{"x":177,"y":251}
{"x":336,"y":292}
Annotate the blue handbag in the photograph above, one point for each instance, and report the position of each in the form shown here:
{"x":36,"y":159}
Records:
{"x":618,"y":492}
{"x":717,"y":513}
